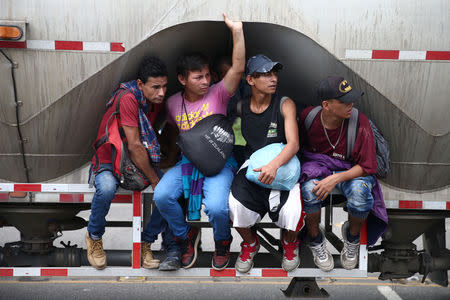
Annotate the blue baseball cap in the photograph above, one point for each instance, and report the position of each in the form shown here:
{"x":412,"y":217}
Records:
{"x":261,"y":64}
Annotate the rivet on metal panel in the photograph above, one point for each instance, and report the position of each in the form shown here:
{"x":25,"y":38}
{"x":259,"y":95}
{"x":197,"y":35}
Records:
{"x":25,"y":140}
{"x":15,"y":65}
{"x":19,"y":103}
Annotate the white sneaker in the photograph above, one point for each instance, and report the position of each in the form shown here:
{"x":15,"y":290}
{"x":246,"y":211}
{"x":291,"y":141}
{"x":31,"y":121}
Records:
{"x":322,"y":257}
{"x":244,"y":262}
{"x":350,"y":251}
{"x":291,"y":260}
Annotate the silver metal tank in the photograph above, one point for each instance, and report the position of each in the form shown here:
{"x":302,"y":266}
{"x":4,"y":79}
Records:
{"x":64,"y":92}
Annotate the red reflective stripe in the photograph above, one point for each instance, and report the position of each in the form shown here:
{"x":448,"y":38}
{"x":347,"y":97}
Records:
{"x":71,"y":198}
{"x":27,"y":188}
{"x":9,"y":44}
{"x":223,"y":273}
{"x":6,"y":272}
{"x":363,"y":234}
{"x":438,"y":55}
{"x":4,"y":197}
{"x":385,"y":54}
{"x":409,"y":204}
{"x":53,"y":272}
{"x":68,"y":45}
{"x":136,"y":204}
{"x":448,"y":205}
{"x":117,"y":47}
{"x":274,"y":273}
{"x":136,"y":255}
{"x":122,"y":199}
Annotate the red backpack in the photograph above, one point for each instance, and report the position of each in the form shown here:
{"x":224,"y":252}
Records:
{"x":128,"y":175}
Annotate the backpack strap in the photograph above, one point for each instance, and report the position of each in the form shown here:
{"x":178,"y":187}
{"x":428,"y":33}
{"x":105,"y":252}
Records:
{"x":311,"y":116}
{"x":239,"y":108}
{"x":103,"y":139}
{"x":352,"y":131}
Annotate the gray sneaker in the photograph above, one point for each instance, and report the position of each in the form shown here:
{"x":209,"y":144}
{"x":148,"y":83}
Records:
{"x":350,"y":251}
{"x":322,"y":257}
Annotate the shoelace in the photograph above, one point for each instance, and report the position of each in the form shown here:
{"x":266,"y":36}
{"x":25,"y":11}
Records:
{"x":289,"y":249}
{"x":351,"y":249}
{"x":320,"y":252}
{"x":97,"y":247}
{"x":246,"y":251}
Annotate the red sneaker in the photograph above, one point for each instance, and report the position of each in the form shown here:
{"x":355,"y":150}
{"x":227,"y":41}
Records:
{"x":244,"y":261}
{"x":291,"y":260}
{"x":189,"y":247}
{"x":221,"y":256}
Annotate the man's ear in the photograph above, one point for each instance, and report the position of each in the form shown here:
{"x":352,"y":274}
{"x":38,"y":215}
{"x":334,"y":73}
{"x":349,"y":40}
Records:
{"x":249,"y":80}
{"x":325,"y":104}
{"x":139,"y":84}
{"x":181,"y":79}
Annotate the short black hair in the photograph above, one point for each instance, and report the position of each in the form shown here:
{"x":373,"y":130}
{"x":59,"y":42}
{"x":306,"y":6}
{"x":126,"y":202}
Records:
{"x":194,"y":61}
{"x":151,"y":67}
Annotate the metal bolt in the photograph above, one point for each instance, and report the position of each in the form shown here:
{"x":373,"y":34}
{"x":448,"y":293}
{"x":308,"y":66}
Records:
{"x":15,"y":65}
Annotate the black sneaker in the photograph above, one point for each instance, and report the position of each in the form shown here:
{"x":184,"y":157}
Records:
{"x":172,"y":261}
{"x":221,"y":256}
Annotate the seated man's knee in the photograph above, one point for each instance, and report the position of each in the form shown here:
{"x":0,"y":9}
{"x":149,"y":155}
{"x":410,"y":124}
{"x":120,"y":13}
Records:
{"x":106,"y":187}
{"x":216,"y":208}
{"x":310,"y":202}
{"x":359,"y":198}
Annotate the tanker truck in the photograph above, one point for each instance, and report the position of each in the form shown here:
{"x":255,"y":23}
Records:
{"x":60,"y":61}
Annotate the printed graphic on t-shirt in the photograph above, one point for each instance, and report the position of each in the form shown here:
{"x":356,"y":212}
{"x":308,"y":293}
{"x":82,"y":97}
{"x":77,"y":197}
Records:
{"x":272,"y":132}
{"x":186,"y":122}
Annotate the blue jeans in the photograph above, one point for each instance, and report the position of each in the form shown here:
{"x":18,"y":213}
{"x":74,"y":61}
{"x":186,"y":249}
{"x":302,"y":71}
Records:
{"x":215,"y":199}
{"x":358,"y":192}
{"x":105,"y":188}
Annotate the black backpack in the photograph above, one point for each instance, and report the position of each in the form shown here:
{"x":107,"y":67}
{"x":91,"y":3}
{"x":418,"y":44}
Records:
{"x":381,"y":146}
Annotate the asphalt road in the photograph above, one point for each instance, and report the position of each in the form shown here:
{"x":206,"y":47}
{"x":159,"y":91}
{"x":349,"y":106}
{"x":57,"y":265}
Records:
{"x":210,"y":288}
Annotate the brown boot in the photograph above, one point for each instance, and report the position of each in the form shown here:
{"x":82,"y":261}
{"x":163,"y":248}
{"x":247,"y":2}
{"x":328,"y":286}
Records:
{"x":95,"y":253}
{"x":147,"y":259}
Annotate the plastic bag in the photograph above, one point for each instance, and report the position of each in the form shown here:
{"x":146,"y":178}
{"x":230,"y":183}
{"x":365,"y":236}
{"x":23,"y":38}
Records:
{"x":287,"y":175}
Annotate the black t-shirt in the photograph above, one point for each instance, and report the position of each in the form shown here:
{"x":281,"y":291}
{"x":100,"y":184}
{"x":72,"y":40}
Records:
{"x":262,"y":129}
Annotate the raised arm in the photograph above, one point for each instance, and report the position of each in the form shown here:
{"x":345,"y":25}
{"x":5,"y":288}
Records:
{"x":234,"y":74}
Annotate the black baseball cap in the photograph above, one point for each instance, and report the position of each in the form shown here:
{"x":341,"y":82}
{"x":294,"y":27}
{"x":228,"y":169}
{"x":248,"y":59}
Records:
{"x":261,"y":64}
{"x":336,"y":87}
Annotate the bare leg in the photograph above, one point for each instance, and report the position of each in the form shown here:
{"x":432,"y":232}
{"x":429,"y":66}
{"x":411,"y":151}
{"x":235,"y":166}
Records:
{"x":312,"y":222}
{"x":290,"y":235}
{"x":246,"y":234}
{"x":355,"y":224}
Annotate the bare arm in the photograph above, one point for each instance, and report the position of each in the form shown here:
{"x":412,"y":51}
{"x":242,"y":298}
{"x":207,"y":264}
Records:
{"x":324,"y":187}
{"x":234,"y":74}
{"x":269,"y":171}
{"x":138,"y":154}
{"x":172,"y":149}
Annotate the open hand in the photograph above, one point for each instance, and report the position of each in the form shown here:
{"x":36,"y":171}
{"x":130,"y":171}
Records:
{"x":232,"y":24}
{"x":267,"y":175}
{"x":324,"y":187}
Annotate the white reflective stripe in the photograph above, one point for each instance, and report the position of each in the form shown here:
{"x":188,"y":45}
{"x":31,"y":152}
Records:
{"x":391,"y":203}
{"x":27,"y":272}
{"x":388,"y":293}
{"x":252,"y":273}
{"x":136,"y":229}
{"x":6,"y":187}
{"x":364,"y":54}
{"x":433,"y":205}
{"x":363,"y":258}
{"x":96,"y":46}
{"x":315,"y":272}
{"x":49,"y":188}
{"x":41,"y":44}
{"x":412,"y":55}
{"x":80,"y":188}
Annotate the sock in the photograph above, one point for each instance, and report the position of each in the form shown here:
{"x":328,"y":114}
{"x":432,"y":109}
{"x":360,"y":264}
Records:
{"x":95,"y":237}
{"x":318,"y":239}
{"x":352,"y":238}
